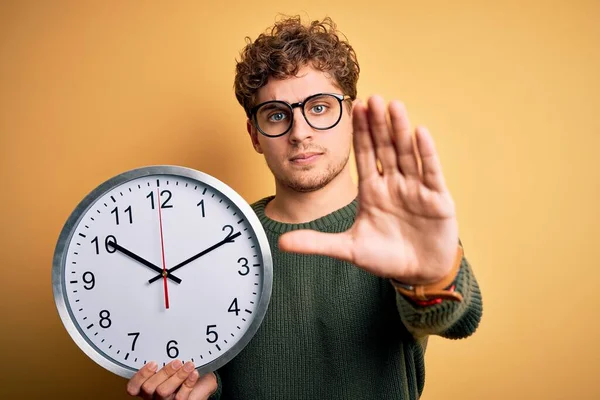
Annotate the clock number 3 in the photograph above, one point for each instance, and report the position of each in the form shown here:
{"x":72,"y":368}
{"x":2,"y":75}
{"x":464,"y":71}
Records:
{"x":245,"y":265}
{"x":165,"y":202}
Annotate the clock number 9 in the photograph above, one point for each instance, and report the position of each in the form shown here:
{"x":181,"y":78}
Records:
{"x":244,"y":266}
{"x":89,"y":281}
{"x":109,"y":239}
{"x":171,"y":348}
{"x":209,"y":332}
{"x":164,"y":203}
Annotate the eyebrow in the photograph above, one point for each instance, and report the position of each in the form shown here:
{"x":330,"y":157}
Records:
{"x":272,"y":106}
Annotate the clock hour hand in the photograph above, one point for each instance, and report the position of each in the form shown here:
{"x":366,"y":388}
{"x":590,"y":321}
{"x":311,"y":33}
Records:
{"x":142,"y":261}
{"x":228,"y":239}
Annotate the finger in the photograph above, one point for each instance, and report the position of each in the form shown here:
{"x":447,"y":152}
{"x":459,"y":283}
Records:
{"x":149,"y":387}
{"x":380,"y":132}
{"x":306,"y":241}
{"x":432,"y":169}
{"x":407,"y":157}
{"x":188,"y":385}
{"x":205,"y":387}
{"x":366,"y":162}
{"x":137,"y":380}
{"x":170,"y":386}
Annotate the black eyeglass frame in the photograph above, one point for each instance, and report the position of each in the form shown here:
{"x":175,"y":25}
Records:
{"x":339,"y":97}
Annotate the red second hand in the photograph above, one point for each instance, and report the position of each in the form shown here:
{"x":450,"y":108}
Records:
{"x":162,"y":246}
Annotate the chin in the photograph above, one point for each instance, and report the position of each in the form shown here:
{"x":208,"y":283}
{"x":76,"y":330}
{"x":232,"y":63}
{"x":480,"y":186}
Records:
{"x":308,"y":179}
{"x":307,"y":187}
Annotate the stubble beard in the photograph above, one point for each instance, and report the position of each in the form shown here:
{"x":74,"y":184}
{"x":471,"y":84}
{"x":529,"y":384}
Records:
{"x":303,"y":181}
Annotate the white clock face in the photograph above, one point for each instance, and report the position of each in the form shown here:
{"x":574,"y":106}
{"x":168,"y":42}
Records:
{"x":162,"y":266}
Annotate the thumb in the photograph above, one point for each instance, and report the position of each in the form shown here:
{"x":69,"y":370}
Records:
{"x":306,"y":241}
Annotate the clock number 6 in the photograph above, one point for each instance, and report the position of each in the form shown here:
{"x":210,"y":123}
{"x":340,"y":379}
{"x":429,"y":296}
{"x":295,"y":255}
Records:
{"x":209,"y":332}
{"x":171,"y":348}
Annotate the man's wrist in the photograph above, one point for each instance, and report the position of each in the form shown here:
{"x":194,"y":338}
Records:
{"x":436,"y":292}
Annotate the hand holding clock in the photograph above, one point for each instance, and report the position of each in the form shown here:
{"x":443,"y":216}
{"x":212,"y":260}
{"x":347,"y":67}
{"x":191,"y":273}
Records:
{"x":175,"y":380}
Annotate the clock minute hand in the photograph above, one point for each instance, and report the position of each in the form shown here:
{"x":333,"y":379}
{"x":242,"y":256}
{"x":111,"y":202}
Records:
{"x":141,"y":260}
{"x":228,"y":239}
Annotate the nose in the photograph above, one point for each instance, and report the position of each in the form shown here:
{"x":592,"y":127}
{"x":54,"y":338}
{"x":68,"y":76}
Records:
{"x":301,"y":130}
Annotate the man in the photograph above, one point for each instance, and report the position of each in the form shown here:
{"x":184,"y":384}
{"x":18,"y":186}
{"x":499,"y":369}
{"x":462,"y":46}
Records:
{"x":362,"y":275}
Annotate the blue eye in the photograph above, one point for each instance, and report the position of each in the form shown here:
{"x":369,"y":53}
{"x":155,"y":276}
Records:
{"x":319,"y":109}
{"x":277,"y":117}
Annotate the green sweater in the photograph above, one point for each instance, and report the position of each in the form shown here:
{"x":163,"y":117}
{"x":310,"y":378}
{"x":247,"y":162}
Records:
{"x":334,"y":331}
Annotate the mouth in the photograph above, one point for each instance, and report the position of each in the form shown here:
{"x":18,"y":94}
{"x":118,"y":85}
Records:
{"x":305,"y":157}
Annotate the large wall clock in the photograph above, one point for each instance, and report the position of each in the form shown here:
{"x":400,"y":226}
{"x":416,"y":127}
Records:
{"x":159,"y":263}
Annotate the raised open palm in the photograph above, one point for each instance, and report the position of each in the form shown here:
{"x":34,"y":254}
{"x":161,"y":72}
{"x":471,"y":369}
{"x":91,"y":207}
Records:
{"x":406,"y":225}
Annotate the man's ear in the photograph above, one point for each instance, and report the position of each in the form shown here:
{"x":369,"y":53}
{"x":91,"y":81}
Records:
{"x":253,"y":136}
{"x":354,"y":103}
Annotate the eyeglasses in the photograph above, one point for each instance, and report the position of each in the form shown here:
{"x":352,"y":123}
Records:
{"x":321,"y":111}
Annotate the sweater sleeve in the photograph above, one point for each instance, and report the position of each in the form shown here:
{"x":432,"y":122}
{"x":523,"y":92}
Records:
{"x":449,"y":319}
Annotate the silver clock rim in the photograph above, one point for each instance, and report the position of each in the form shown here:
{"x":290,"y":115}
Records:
{"x":58,"y":263}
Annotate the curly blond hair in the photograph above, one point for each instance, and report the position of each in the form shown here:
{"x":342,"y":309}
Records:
{"x":286,"y":47}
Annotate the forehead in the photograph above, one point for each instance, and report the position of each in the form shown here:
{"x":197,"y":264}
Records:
{"x":296,"y":88}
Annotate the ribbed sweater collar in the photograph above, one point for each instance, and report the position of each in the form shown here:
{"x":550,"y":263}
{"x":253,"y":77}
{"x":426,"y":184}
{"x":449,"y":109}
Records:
{"x":324,"y":224}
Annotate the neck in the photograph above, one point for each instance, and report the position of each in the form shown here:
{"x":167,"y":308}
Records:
{"x":290,"y":206}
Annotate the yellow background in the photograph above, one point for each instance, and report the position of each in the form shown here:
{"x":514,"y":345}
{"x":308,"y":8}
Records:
{"x":510,"y":91}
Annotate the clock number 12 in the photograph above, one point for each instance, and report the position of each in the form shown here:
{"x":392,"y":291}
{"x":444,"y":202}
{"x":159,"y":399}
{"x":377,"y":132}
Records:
{"x":164,"y":203}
